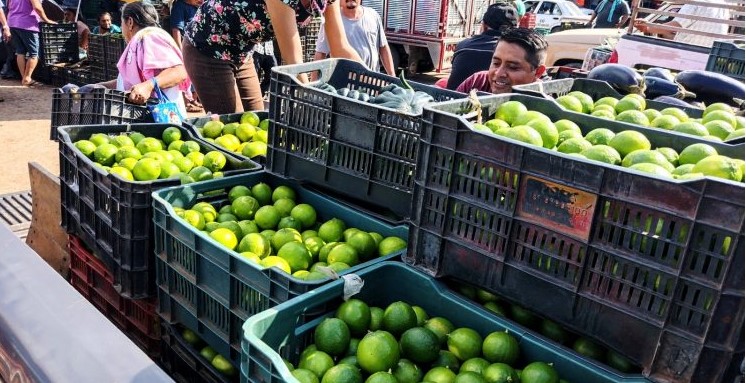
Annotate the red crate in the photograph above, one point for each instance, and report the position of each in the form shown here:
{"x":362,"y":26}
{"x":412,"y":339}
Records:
{"x":137,"y":318}
{"x":528,"y":20}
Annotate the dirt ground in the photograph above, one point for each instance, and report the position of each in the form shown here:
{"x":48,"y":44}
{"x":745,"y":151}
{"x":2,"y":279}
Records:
{"x":24,"y":133}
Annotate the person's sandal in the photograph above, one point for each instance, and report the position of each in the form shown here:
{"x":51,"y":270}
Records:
{"x":191,"y":108}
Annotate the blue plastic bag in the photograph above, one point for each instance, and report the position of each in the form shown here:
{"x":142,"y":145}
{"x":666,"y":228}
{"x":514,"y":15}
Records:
{"x":165,"y":111}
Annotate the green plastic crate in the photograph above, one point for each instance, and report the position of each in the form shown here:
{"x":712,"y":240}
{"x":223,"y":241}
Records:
{"x":289,"y":327}
{"x":212,"y":290}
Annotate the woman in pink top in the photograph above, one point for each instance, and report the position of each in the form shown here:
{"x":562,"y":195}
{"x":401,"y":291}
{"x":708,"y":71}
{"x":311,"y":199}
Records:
{"x":23,"y":19}
{"x":151,"y":53}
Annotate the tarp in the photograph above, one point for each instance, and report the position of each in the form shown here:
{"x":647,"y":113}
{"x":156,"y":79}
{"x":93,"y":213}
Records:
{"x":50,"y":333}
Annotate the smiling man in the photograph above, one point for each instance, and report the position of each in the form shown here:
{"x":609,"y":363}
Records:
{"x":518,"y":59}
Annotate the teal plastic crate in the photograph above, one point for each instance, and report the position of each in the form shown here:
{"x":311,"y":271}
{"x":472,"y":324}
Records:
{"x":212,"y":290}
{"x":286,"y":330}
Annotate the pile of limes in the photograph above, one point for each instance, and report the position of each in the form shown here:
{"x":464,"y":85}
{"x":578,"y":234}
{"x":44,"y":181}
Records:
{"x":269,"y":227}
{"x":218,"y":361}
{"x":247,"y":137}
{"x":135,"y":157}
{"x":718,"y":122}
{"x":628,"y":148}
{"x":401,"y":343}
{"x":546,"y":327}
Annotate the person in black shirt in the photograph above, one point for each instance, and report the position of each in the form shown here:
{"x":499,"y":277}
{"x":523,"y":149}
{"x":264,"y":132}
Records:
{"x":475,"y":53}
{"x":610,"y":14}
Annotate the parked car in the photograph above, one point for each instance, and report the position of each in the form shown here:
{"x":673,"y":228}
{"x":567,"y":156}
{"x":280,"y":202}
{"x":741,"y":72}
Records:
{"x":551,"y":14}
{"x":570,"y":48}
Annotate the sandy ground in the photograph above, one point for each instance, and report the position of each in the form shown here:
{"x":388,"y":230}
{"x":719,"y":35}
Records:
{"x":24,"y":134}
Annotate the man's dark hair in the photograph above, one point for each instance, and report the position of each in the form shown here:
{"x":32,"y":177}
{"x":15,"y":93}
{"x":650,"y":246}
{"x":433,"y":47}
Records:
{"x":532,"y":42}
{"x":501,"y":16}
{"x":105,"y":13}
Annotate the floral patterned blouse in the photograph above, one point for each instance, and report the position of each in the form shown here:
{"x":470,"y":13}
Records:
{"x":229,"y":29}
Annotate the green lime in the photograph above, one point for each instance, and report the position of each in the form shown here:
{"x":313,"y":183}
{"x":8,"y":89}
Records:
{"x":420,"y":345}
{"x":465,"y":343}
{"x":378,"y":351}
{"x":398,"y":317}
{"x":356,"y":314}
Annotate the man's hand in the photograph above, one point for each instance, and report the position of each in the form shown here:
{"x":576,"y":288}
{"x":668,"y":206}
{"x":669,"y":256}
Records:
{"x":640,"y":25}
{"x":6,"y":34}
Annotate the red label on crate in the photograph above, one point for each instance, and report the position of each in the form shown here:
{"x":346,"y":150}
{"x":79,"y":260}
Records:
{"x":564,"y":209}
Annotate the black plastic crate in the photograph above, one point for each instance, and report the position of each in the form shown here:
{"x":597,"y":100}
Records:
{"x":100,"y":106}
{"x":98,"y":73}
{"x":58,"y":76}
{"x":62,"y":76}
{"x":96,"y":48}
{"x":195,"y":123}
{"x":308,"y":36}
{"x":594,"y":88}
{"x":359,"y":149}
{"x":578,"y":241}
{"x":58,"y":43}
{"x":182,"y":361}
{"x":115,"y":109}
{"x":114,"y":216}
{"x":79,"y":76}
{"x":727,"y":57}
{"x":114,"y":48}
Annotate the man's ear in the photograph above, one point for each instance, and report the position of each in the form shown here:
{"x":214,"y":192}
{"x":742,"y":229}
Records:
{"x":540,"y":71}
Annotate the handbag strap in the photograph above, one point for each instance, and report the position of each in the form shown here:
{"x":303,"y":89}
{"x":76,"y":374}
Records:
{"x":161,"y":96}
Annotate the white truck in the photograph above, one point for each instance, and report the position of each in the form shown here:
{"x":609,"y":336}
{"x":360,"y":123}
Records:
{"x":423,"y":33}
{"x":633,"y":48}
{"x":551,"y":14}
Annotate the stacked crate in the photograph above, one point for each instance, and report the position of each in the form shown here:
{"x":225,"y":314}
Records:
{"x":58,"y":44}
{"x":97,"y":57}
{"x":110,"y":223}
{"x":135,"y":317}
{"x":104,"y":52}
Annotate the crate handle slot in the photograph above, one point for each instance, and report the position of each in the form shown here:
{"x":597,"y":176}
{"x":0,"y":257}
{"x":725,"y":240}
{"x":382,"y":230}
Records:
{"x":323,"y":70}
